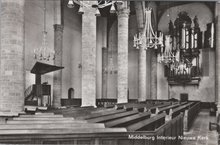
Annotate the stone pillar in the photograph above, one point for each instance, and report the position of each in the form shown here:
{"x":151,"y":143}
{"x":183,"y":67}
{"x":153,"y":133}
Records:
{"x":217,"y":61}
{"x":153,"y":83}
{"x":89,"y":56}
{"x":57,"y":77}
{"x":122,"y":87}
{"x":142,"y":73}
{"x":12,"y":56}
{"x":142,"y":54}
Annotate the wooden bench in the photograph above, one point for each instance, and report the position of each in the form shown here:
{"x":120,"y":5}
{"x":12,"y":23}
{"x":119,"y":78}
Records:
{"x":51,"y":125}
{"x":135,"y":106}
{"x":180,"y":109}
{"x":153,"y":108}
{"x":130,"y":106}
{"x":60,"y":131}
{"x":108,"y":103}
{"x":127,"y":125}
{"x":190,"y":115}
{"x":43,"y":118}
{"x":119,"y":106}
{"x":103,"y":113}
{"x":73,"y":109}
{"x":167,"y":108}
{"x":107,"y":136}
{"x":190,"y":111}
{"x":148,"y":124}
{"x":103,"y":110}
{"x":112,"y":116}
{"x":43,"y":121}
{"x":125,"y":121}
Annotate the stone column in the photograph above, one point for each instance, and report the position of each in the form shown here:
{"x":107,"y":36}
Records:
{"x":217,"y":61}
{"x":142,"y":68}
{"x":12,"y":56}
{"x":142,"y":54}
{"x":153,"y":83}
{"x":123,"y":15}
{"x":89,"y":56}
{"x":57,"y":77}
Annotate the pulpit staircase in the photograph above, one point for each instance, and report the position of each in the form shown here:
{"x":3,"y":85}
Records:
{"x":31,"y":100}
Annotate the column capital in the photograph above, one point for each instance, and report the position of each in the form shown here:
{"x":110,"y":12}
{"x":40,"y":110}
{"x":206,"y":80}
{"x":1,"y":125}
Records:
{"x":123,"y":12}
{"x":58,"y":27}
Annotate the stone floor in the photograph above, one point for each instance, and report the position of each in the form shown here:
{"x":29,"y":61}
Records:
{"x":199,"y":133}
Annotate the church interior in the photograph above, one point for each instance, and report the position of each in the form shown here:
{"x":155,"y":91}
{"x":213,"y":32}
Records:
{"x":109,"y":72}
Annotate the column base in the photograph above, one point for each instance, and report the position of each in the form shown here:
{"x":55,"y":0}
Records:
{"x":218,"y":110}
{"x":141,"y":99}
{"x":122,"y":100}
{"x":88,"y":106}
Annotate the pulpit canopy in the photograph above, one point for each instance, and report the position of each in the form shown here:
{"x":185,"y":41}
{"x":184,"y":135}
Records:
{"x":43,"y":68}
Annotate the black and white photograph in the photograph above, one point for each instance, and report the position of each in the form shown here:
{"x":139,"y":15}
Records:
{"x":110,"y":72}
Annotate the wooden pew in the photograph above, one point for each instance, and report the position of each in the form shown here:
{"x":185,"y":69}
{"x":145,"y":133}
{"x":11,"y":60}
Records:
{"x":60,"y":131}
{"x":153,"y":108}
{"x":190,"y":111}
{"x":103,"y":110}
{"x":180,"y":109}
{"x":60,"y":110}
{"x":135,"y":106}
{"x":142,"y":107}
{"x":167,"y":108}
{"x":43,"y":118}
{"x":81,"y":132}
{"x":103,"y":113}
{"x":112,"y":116}
{"x":120,"y":105}
{"x":108,"y":103}
{"x":98,"y":136}
{"x":148,"y":124}
{"x":190,"y":115}
{"x":52,"y":126}
{"x":105,"y":136}
{"x":74,"y":111}
{"x":129,"y":106}
{"x":43,"y":121}
{"x":125,"y":121}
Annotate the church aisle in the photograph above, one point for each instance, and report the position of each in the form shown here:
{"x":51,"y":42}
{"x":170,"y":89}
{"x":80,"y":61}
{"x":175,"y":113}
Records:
{"x":199,"y":134}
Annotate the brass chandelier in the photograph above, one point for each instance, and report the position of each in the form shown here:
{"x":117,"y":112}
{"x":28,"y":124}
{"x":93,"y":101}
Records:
{"x":44,"y":53}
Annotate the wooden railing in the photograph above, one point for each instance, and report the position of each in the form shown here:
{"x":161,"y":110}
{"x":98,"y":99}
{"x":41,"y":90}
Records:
{"x":28,"y":92}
